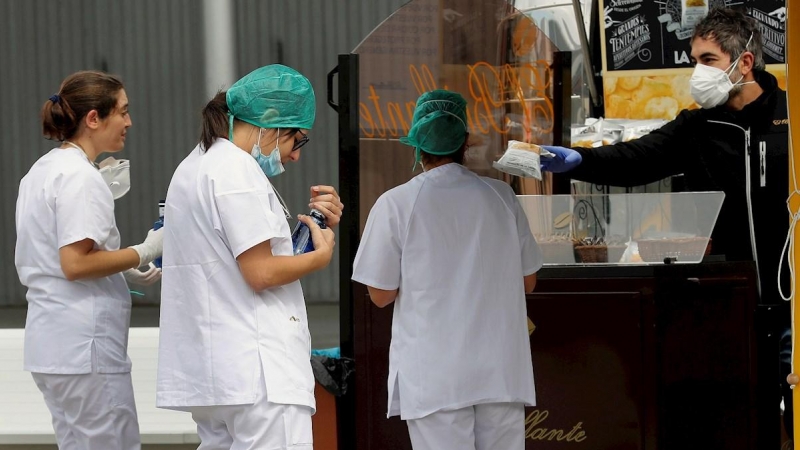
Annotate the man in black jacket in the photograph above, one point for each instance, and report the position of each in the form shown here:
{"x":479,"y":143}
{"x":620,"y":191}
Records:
{"x":737,"y":143}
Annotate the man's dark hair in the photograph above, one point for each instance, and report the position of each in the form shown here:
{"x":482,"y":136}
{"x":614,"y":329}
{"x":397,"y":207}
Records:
{"x":731,"y":29}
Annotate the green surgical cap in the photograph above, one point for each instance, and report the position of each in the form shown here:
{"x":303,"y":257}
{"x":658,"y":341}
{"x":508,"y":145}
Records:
{"x":439,"y":126}
{"x":273,"y":96}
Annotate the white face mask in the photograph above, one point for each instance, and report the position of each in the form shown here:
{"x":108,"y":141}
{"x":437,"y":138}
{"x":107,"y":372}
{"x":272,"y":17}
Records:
{"x":271,"y":165}
{"x":117,"y":175}
{"x":711,"y":87}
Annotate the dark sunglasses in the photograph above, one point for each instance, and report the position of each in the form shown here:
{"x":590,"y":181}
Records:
{"x":298,"y":143}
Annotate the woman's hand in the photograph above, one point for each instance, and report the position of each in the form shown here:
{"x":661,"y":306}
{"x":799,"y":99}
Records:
{"x":325,"y":199}
{"x":146,"y":278}
{"x":324,"y":239}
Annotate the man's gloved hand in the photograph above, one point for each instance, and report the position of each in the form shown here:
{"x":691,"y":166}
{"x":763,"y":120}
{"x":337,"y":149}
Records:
{"x":151,"y":248}
{"x":564,"y":159}
{"x":146,"y":278}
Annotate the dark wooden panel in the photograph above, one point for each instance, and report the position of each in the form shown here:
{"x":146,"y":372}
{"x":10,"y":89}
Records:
{"x":373,"y":334}
{"x":650,"y":358}
{"x":588,"y":365}
{"x":705,"y":331}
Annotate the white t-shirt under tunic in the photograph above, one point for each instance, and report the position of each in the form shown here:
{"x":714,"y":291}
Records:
{"x":457,"y":246}
{"x":217,"y":334}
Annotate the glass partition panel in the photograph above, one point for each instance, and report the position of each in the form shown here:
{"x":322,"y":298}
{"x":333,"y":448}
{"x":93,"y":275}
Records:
{"x":623,"y":228}
{"x":487,"y":51}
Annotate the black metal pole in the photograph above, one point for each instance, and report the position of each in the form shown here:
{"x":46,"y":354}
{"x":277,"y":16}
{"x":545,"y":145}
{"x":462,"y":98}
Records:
{"x":349,"y":175}
{"x":562,"y":110}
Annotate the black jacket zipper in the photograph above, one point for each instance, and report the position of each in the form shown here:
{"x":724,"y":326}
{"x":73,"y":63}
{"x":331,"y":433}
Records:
{"x":748,"y":189}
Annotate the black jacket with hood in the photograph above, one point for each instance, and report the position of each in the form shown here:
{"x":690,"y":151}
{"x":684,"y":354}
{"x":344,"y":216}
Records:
{"x":743,"y":153}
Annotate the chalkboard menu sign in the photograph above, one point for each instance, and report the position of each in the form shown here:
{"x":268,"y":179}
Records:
{"x":655,"y":34}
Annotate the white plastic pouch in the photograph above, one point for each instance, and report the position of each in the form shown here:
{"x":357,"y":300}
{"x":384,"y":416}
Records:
{"x":522,"y":159}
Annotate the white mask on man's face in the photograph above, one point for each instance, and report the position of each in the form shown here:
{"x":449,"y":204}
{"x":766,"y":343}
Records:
{"x":711,"y":87}
{"x":117,"y":175}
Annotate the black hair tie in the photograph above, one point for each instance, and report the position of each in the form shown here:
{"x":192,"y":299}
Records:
{"x":55,"y":98}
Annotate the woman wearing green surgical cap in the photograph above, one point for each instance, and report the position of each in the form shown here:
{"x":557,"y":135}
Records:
{"x":453,"y":251}
{"x":234,"y":345}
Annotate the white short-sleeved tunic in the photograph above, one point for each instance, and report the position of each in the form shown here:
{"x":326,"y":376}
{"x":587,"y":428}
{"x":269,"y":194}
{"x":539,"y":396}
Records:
{"x":457,"y":246}
{"x":217,"y":334}
{"x":62,"y":200}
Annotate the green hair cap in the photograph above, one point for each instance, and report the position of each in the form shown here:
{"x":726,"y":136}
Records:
{"x":439,"y":125}
{"x":273,"y":96}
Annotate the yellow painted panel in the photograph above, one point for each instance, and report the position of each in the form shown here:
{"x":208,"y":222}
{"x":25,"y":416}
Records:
{"x":656,"y":94}
{"x":793,"y":89}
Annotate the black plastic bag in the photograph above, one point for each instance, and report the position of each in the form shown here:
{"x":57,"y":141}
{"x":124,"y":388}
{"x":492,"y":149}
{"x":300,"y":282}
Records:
{"x":334,"y":374}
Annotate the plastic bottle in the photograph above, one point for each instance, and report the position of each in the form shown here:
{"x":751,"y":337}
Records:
{"x":158,"y":224}
{"x":301,"y":236}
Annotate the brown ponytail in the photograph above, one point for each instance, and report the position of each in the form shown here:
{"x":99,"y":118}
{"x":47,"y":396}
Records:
{"x":215,"y":121}
{"x":80,"y":93}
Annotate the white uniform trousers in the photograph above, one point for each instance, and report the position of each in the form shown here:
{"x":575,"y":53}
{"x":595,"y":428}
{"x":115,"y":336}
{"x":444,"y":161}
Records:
{"x":91,"y":411}
{"x":260,"y":426}
{"x":491,"y":426}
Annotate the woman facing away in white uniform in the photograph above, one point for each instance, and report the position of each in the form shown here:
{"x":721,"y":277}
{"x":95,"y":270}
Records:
{"x":234,"y":344}
{"x":455,"y":254}
{"x":68,"y":256}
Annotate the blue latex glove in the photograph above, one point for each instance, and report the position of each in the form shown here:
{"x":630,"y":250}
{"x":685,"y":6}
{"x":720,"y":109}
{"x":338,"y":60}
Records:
{"x":564,"y":159}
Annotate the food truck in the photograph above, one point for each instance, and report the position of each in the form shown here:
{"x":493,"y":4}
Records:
{"x":641,"y":337}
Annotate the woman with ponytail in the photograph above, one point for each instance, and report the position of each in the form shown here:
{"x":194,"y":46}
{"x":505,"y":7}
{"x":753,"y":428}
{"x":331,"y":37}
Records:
{"x":234,"y":348}
{"x":68,"y":256}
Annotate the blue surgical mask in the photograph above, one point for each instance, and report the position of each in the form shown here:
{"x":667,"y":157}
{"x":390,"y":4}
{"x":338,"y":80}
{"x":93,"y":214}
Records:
{"x":271,"y":165}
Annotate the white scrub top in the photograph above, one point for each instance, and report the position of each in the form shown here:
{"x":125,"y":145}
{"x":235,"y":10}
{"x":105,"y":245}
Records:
{"x":62,"y":200}
{"x":457,"y":246}
{"x":217,"y":334}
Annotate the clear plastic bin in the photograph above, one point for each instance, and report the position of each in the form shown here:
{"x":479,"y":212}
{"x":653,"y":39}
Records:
{"x":651,"y":228}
